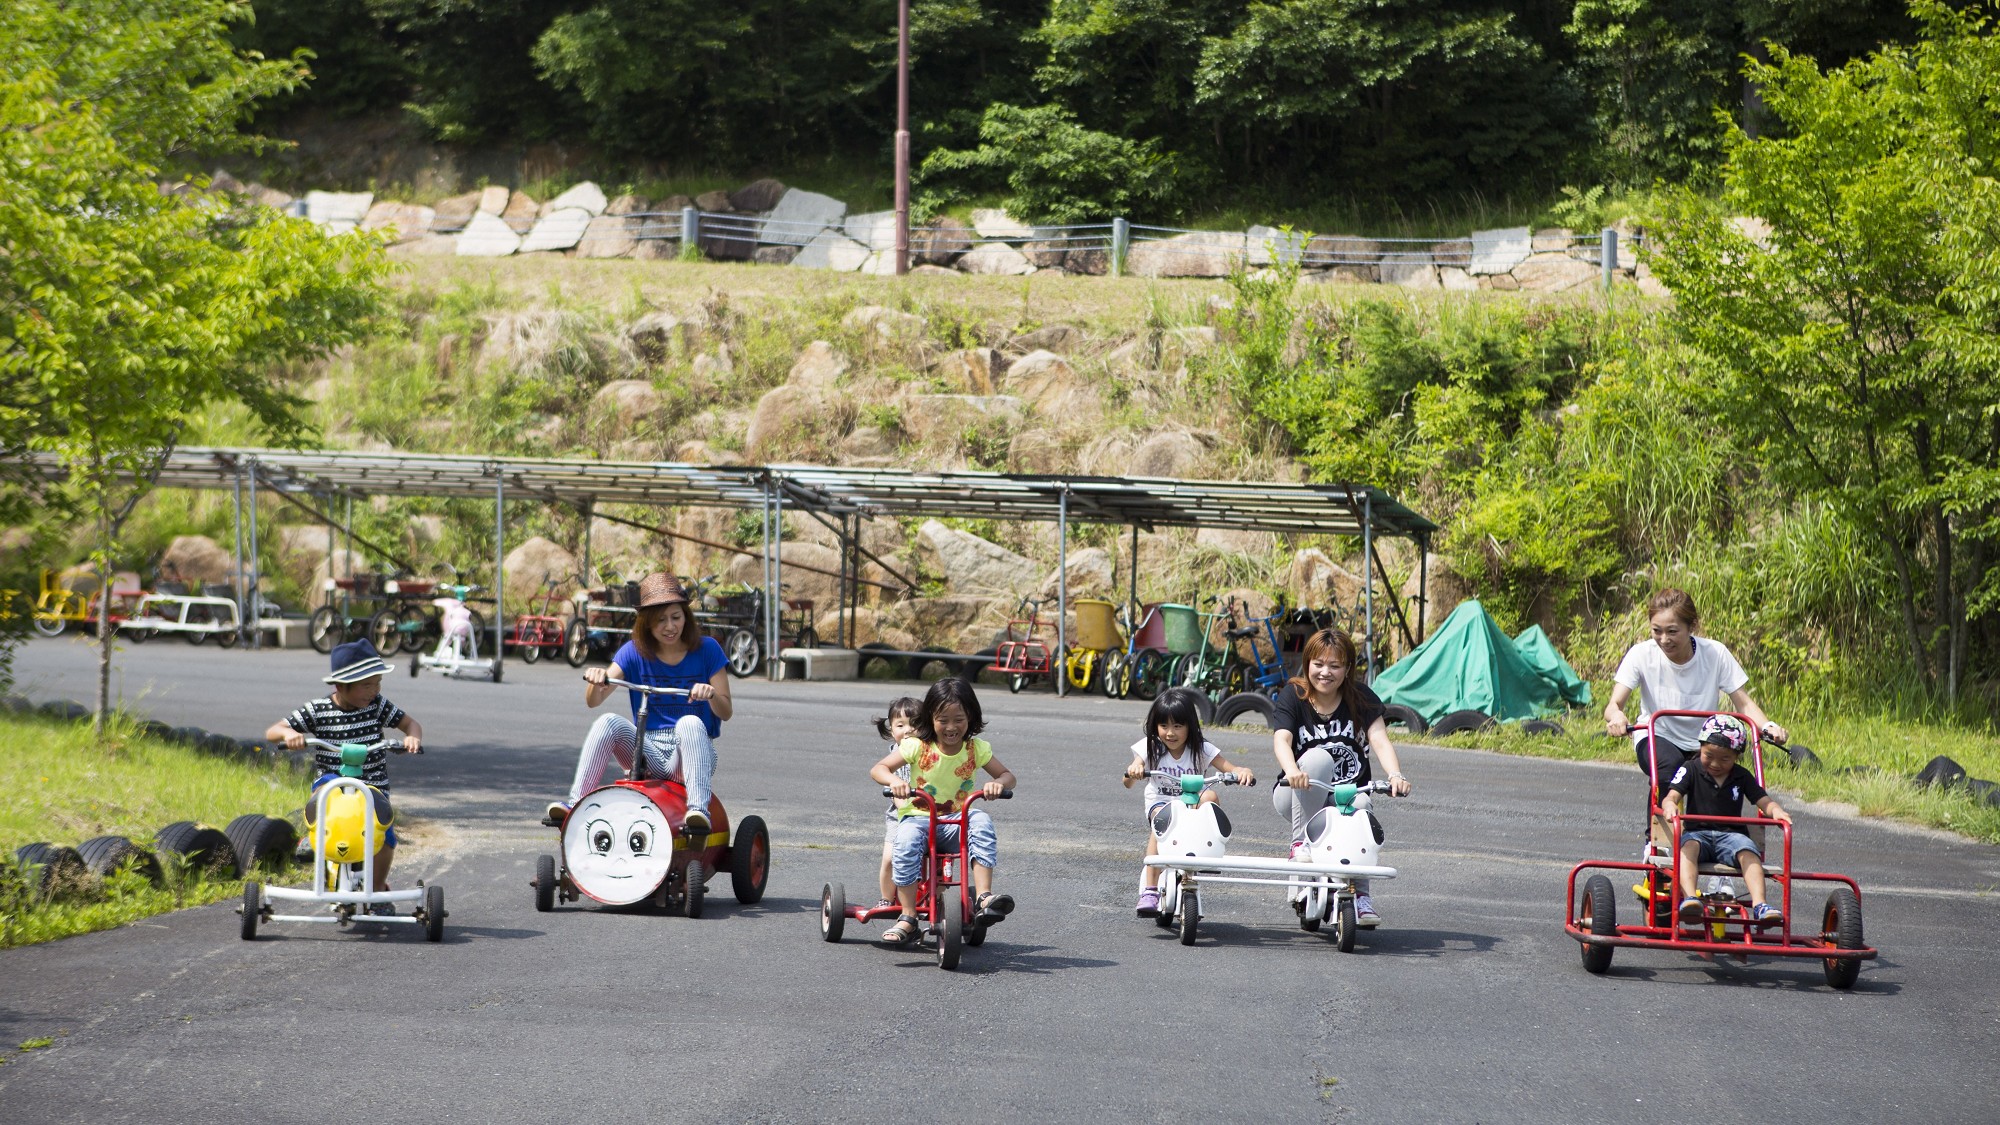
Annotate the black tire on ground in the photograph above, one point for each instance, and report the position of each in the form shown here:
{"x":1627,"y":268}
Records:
{"x":188,"y":736}
{"x":935,"y":664}
{"x":227,"y":638}
{"x":195,"y":636}
{"x":1460,"y":722}
{"x":433,"y":913}
{"x":157,"y":729}
{"x":1148,"y":673}
{"x":1204,"y":706}
{"x":201,"y":847}
{"x":750,"y":859}
{"x":1802,"y":755}
{"x":1190,"y":913}
{"x":1243,"y":704}
{"x":832,"y":911}
{"x":1840,"y":927}
{"x":1016,"y":682}
{"x":873,"y":666}
{"x":576,"y":643}
{"x":1598,"y":913}
{"x":136,"y":636}
{"x":1165,"y":918}
{"x":67,"y":709}
{"x":696,"y":876}
{"x":106,"y":854}
{"x":545,"y":884}
{"x":1397,"y":715}
{"x":982,"y":671}
{"x":320,"y":630}
{"x":499,"y":669}
{"x":261,"y":842}
{"x":221,"y":746}
{"x":56,"y":870}
{"x":745,"y":652}
{"x":1345,"y":924}
{"x":410,"y":634}
{"x":951,"y":934}
{"x":1938,"y":771}
{"x":253,"y":903}
{"x":1542,"y":726}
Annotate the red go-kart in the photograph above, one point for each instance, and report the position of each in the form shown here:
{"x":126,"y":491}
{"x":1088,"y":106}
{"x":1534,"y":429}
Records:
{"x":944,"y":895}
{"x":1725,"y":928}
{"x":624,"y":843}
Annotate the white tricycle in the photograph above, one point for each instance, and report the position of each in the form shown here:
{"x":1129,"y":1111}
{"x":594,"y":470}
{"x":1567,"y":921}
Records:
{"x":350,"y":820}
{"x":1344,"y":843}
{"x":457,"y":652}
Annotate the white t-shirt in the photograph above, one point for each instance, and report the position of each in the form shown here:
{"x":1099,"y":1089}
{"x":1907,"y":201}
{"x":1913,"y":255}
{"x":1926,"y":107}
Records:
{"x":1699,"y":685}
{"x":1175,"y":764}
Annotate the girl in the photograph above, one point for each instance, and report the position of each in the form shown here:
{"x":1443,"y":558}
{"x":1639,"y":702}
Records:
{"x":899,"y":724}
{"x":1327,"y":726}
{"x":667,"y":649}
{"x":1173,"y":732}
{"x":943,"y":755}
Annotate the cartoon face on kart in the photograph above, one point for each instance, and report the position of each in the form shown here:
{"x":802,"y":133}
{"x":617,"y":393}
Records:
{"x":618,"y":845}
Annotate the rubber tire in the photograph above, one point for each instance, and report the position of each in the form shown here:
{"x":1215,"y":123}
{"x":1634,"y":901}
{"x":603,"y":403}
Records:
{"x":416,"y":665}
{"x":951,"y":936}
{"x":832,"y":912}
{"x":1148,"y":673}
{"x":1395,"y":713}
{"x":576,"y":643}
{"x":203,"y":847}
{"x":943,"y":659}
{"x":1016,"y":682}
{"x":433,"y":913}
{"x":478,"y":632}
{"x":261,"y":842}
{"x":545,"y":884}
{"x":195,"y":636}
{"x":750,"y":860}
{"x":320,"y":630}
{"x":694,"y":879}
{"x":1309,"y":921}
{"x":1459,"y":722}
{"x":1840,"y":927}
{"x":58,"y":868}
{"x":744,"y":651}
{"x":1600,"y":916}
{"x":531,"y":652}
{"x":868,"y":660}
{"x":1542,"y":726}
{"x":1240,"y":704}
{"x":253,"y":902}
{"x":1204,"y":707}
{"x":383,"y":633}
{"x":1116,"y":681}
{"x":1345,"y":925}
{"x":103,"y":855}
{"x":49,"y":626}
{"x":227,"y":638}
{"x":1190,"y":914}
{"x":409,"y":640}
{"x":136,"y":636}
{"x":1169,"y":899}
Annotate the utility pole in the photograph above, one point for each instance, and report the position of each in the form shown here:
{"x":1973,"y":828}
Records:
{"x":902,"y":137}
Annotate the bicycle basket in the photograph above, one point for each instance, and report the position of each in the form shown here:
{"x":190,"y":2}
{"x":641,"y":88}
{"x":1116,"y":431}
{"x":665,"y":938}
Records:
{"x":1183,"y":627}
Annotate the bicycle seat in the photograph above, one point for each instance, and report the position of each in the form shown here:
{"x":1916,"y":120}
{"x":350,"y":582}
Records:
{"x":1239,"y":634}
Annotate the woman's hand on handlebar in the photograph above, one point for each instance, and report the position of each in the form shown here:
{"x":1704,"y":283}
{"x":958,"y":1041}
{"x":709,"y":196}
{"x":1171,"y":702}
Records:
{"x":700,"y":692}
{"x":1399,"y":786}
{"x":1296,"y":778}
{"x":597,"y":675}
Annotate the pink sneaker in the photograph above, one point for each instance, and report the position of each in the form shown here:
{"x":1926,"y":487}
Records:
{"x":1300,"y":851}
{"x":1149,"y":903}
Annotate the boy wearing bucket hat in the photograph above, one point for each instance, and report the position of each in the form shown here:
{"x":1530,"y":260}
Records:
{"x":354,"y":711}
{"x":1715,"y":785}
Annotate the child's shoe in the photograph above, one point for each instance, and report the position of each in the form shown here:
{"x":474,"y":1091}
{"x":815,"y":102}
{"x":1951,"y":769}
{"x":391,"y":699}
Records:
{"x":1764,"y":914}
{"x":382,"y":909}
{"x":1149,"y":903}
{"x":1691,"y":911}
{"x":557,"y":814}
{"x":1364,"y":912}
{"x":993,"y":907}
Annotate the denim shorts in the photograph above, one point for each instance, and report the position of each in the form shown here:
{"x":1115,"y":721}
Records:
{"x":1718,"y":846}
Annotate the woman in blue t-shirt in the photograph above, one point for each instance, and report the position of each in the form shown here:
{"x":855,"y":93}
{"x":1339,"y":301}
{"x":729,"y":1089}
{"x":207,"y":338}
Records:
{"x":667,"y":649}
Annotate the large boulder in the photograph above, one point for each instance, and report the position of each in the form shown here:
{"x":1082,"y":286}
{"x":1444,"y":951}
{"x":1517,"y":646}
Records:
{"x":625,"y":405}
{"x":487,"y":236}
{"x":557,"y":230}
{"x":1316,"y":581}
{"x":1200,"y":254}
{"x":871,"y":626}
{"x":941,"y":243}
{"x":622,"y":549}
{"x":609,"y":236}
{"x":799,"y":217}
{"x":521,"y":211}
{"x":338,"y":211}
{"x":972,"y":371}
{"x":800,"y":584}
{"x":406,"y":221}
{"x":1270,"y":246}
{"x":884,"y":323}
{"x":1443,"y":590}
{"x":493,"y":200}
{"x":1046,"y":254}
{"x":658,"y":336}
{"x":1498,"y":251}
{"x":757,"y":196}
{"x":876,"y":230}
{"x":713,"y":202}
{"x":818,"y":368}
{"x":1552,"y":273}
{"x":972,"y":565}
{"x":585,"y":196}
{"x":1411,"y":271}
{"x":1230,"y":541}
{"x":941,"y":620}
{"x":831,"y":250}
{"x":529,"y":565}
{"x":997,"y":224}
{"x":198,"y":559}
{"x":1092,"y":574}
{"x":785,"y":414}
{"x":1169,"y":453}
{"x":1327,"y":250}
{"x":942,"y":419}
{"x":1059,"y":338}
{"x":995,"y":259}
{"x":1050,"y":386}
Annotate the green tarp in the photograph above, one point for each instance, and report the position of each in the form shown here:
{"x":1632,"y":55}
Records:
{"x":1470,"y":663}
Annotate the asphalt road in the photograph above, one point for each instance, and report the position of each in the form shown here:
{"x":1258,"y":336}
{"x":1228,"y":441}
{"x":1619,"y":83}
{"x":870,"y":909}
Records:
{"x":1469,"y":1004}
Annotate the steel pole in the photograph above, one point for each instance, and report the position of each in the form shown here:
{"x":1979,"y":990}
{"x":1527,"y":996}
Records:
{"x":236,"y":579}
{"x":902,"y":137}
{"x":1368,"y":573}
{"x":254,"y":595}
{"x":499,"y":568}
{"x":1061,"y":672}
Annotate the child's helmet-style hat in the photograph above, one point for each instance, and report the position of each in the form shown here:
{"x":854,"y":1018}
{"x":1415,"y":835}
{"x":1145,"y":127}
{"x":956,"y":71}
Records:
{"x":660,"y":589}
{"x":355,"y":661}
{"x":1725,"y":731}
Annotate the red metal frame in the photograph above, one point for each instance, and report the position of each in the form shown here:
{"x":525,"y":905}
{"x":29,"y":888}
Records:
{"x":1026,"y":655}
{"x":940,"y":871}
{"x":540,"y":630}
{"x":1726,"y":926}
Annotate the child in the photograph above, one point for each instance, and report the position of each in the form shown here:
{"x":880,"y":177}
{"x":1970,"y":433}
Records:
{"x":943,"y":756}
{"x":1717,"y":786}
{"x":354,"y":712}
{"x":1172,"y":726}
{"x":899,"y":724}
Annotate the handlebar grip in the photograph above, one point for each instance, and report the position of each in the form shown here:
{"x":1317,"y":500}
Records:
{"x":1005,"y":795}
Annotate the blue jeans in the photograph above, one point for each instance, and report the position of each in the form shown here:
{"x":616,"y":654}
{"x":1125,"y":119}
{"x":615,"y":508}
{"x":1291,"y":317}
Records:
{"x":684,"y":753}
{"x":912,"y":832}
{"x":1719,"y":846}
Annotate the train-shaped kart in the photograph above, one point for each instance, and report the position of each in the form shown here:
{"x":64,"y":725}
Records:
{"x":624,"y":843}
{"x":1726,"y":927}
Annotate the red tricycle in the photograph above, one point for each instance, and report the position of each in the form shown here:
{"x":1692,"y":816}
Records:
{"x":951,"y":919}
{"x":1726,"y":927}
{"x":1024,"y":655}
{"x":624,"y":843}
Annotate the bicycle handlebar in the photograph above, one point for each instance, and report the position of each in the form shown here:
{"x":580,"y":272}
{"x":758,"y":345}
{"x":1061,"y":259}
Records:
{"x":384,"y":744}
{"x":642,"y":689}
{"x":1371,"y":787}
{"x":920,"y":795}
{"x":1207,"y":779}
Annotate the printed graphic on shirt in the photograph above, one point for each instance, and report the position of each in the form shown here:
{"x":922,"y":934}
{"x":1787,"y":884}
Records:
{"x":322,"y":719}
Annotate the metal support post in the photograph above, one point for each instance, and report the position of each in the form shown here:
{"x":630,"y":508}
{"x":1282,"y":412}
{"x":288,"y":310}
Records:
{"x":902,"y":137}
{"x":1061,"y":673}
{"x":255,"y":595}
{"x":243,"y":620}
{"x":1607,"y":254}
{"x":1368,"y":575}
{"x":589,"y":506}
{"x":690,"y":228}
{"x":1423,"y":585}
{"x":499,"y":568}
{"x":1121,"y":243}
{"x":1132,"y":578}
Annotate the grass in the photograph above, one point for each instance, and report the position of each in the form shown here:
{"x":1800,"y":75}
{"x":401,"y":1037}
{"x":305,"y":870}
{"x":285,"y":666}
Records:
{"x":63,"y":785}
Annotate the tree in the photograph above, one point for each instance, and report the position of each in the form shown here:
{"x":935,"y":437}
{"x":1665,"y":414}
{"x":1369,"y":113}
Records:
{"x":127,"y":310}
{"x":1854,"y":341}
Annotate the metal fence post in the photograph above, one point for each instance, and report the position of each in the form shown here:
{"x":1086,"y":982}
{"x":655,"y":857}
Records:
{"x":1607,"y":253}
{"x":690,"y":228}
{"x":1121,"y":242}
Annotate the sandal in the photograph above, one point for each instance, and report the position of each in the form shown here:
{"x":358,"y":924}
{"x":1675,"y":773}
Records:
{"x":906,"y":932}
{"x":993,"y":906}
{"x":882,"y":904}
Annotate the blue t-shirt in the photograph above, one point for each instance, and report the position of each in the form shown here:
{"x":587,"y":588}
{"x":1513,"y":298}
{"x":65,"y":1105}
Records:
{"x":697,"y":667}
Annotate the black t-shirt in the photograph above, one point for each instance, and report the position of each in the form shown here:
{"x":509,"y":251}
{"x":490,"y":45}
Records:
{"x":1344,"y":737}
{"x":1706,"y":796}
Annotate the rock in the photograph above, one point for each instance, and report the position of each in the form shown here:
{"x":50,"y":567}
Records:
{"x":973,"y":565}
{"x":675,"y":204}
{"x":928,"y":270}
{"x":1552,"y":240}
{"x":1270,"y":246}
{"x":1088,"y":261}
{"x":1456,"y":252}
{"x":1345,"y":275}
{"x":1091,"y":572}
{"x":757,"y":196}
{"x":628,"y":205}
{"x":407,"y":220}
{"x":1497,"y":251}
{"x":1456,"y":280}
{"x":1046,"y":254}
{"x":729,"y":240}
{"x":521,"y":212}
{"x":429,"y":246}
{"x":1036,"y":451}
{"x":529,"y":565}
{"x":1051,"y":387}
{"x":1201,"y":254}
{"x":712,"y":367}
{"x":940,"y":620}
{"x":1059,"y":338}
{"x":1169,"y":453}
{"x":870,"y":627}
{"x":585,"y":196}
{"x":487,"y":236}
{"x":1444,"y":589}
{"x":941,"y":243}
{"x":799,"y":217}
{"x":608,"y":236}
{"x":886,"y":324}
{"x":557,"y":230}
{"x":656,"y":250}
{"x":1551,"y":273}
{"x":267,"y":197}
{"x":941,"y":419}
{"x":625,"y":403}
{"x":995,"y":259}
{"x":493,"y":200}
{"x":1409,"y":275}
{"x":1754,"y":229}
{"x":658,"y":336}
{"x":818,"y":368}
{"x":1500,"y":281}
{"x":623,"y":549}
{"x":800,"y":583}
{"x":198,"y":560}
{"x":1252,"y":544}
{"x":1316,"y":581}
{"x":831,"y":250}
{"x":775,"y":255}
{"x":996,"y":224}
{"x":713,"y":202}
{"x":972,"y":371}
{"x":221,"y":180}
{"x":338,"y":211}
{"x":867,"y":441}
{"x":782,"y":414}
{"x":1342,"y":250}
{"x":875,"y":230}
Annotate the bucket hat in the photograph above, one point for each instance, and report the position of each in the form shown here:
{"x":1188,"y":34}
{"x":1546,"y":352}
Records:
{"x":354,"y":661}
{"x":660,"y":589}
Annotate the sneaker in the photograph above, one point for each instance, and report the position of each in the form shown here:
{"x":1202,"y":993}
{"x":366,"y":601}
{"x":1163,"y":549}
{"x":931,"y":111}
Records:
{"x":696,"y":823}
{"x":1149,"y":903}
{"x":382,"y":909}
{"x":1764,"y":914}
{"x":1364,"y":912}
{"x":1301,"y":852}
{"x":1691,"y":911}
{"x":557,"y":814}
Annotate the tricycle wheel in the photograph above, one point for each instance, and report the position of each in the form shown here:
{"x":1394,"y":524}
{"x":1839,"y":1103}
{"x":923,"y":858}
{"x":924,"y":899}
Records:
{"x":227,"y":638}
{"x":832,"y":911}
{"x":576,"y":643}
{"x":195,"y":636}
{"x":750,"y":859}
{"x":1016,"y":682}
{"x":545,"y":884}
{"x":253,"y":905}
{"x":745,"y":652}
{"x":497,"y":669}
{"x":1170,"y":897}
{"x":1600,"y":917}
{"x":50,"y":625}
{"x":1344,"y":925}
{"x":951,"y":931}
{"x":696,"y":878}
{"x":321,"y":628}
{"x":383,"y":632}
{"x":1117,"y":678}
{"x":1148,"y":670}
{"x":1840,"y":928}
{"x":136,"y":636}
{"x":433,"y":913}
{"x":1315,"y":910}
{"x":1190,"y":914}
{"x":531,"y":650}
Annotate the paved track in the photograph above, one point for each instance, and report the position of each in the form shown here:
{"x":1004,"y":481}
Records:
{"x":1468,"y":1005}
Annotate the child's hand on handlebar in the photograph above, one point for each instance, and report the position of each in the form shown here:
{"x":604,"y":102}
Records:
{"x":412,"y":744}
{"x":1134,"y":772}
{"x":294,"y":740}
{"x":1243,"y":776}
{"x":899,"y":789}
{"x":992,"y":790}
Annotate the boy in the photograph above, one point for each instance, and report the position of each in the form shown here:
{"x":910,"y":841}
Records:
{"x":1715,"y":785}
{"x":354,"y":712}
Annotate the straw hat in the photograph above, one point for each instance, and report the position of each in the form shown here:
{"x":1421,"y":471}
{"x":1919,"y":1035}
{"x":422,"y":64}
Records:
{"x":660,"y":589}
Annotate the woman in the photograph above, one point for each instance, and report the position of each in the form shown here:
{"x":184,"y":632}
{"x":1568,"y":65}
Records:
{"x":1327,"y":726}
{"x":1677,"y":671}
{"x":667,"y":649}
